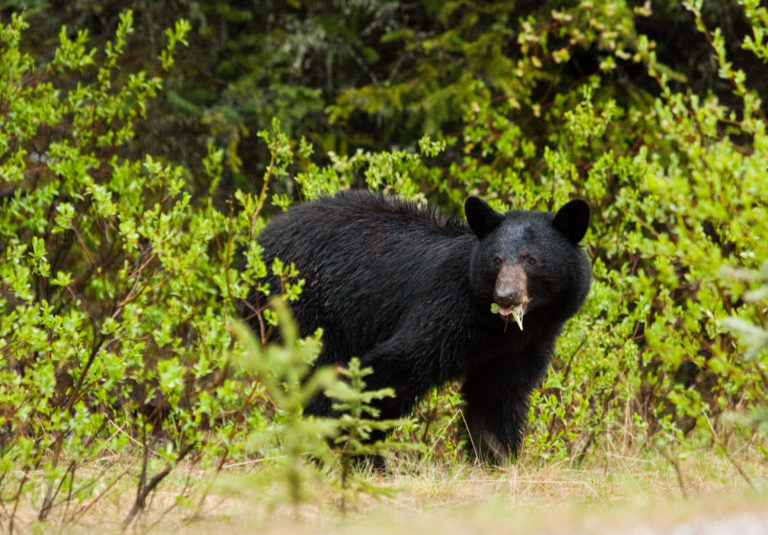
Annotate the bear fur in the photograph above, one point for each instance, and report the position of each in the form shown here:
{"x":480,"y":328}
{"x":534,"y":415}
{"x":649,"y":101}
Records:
{"x":409,"y":291}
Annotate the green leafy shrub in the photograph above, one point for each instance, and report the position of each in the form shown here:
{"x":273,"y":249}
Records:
{"x":117,"y":285}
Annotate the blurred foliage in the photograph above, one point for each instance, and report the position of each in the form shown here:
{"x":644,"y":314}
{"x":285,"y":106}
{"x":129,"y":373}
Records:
{"x":755,"y":339}
{"x":127,"y":222}
{"x":285,"y":372}
{"x":379,"y":74}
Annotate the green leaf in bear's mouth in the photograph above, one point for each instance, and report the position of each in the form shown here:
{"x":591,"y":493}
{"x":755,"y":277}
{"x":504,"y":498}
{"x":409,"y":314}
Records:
{"x":517,"y":313}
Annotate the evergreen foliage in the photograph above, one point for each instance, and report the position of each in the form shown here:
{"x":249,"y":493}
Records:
{"x":361,"y":435}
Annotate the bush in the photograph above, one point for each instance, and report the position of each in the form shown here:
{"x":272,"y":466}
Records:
{"x":116,"y":285}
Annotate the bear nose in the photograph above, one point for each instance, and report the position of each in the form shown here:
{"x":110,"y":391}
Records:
{"x":507,"y":297}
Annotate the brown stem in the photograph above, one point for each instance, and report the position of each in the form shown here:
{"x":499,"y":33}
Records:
{"x":16,"y":500}
{"x":144,"y":490}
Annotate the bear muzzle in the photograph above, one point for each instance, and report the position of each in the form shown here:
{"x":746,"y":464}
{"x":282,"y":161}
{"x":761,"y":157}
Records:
{"x":511,"y":292}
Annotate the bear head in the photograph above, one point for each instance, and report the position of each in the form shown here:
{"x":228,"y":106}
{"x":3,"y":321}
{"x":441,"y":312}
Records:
{"x":528,"y":262}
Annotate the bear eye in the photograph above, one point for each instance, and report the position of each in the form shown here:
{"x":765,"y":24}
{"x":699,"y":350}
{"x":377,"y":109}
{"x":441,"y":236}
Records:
{"x":528,"y":259}
{"x":498,"y":260}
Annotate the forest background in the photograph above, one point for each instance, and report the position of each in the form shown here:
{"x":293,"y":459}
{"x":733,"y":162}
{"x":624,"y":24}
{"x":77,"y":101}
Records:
{"x":143,"y":145}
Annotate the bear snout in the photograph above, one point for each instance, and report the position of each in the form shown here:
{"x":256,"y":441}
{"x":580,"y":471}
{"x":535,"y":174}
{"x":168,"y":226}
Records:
{"x":511,"y":289}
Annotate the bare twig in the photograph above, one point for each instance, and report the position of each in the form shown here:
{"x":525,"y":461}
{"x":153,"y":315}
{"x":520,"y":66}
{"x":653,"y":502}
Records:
{"x":146,"y":487}
{"x":670,"y":458}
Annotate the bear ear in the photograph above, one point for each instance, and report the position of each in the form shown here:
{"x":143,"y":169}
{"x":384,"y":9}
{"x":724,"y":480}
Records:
{"x":482,"y":218}
{"x":572,"y":220}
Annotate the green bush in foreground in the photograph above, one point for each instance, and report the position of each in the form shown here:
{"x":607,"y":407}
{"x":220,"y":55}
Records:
{"x":116,"y":287}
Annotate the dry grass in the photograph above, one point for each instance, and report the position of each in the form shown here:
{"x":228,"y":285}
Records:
{"x":617,"y":494}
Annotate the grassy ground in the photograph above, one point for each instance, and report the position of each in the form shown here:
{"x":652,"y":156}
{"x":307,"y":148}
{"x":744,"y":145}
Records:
{"x":642,"y":494}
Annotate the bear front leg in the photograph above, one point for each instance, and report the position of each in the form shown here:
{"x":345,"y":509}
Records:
{"x":496,"y":397}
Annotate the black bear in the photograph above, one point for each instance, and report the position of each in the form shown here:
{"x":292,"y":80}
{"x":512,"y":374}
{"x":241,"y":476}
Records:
{"x":425,"y":299}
